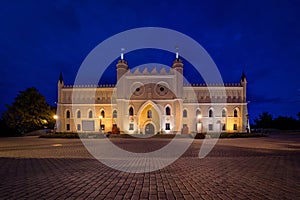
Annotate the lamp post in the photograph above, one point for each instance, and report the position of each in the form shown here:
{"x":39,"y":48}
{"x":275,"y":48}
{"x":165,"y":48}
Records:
{"x":100,"y":119}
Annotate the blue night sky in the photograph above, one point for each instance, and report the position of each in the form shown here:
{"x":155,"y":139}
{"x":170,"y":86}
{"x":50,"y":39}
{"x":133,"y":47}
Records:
{"x":38,"y":39}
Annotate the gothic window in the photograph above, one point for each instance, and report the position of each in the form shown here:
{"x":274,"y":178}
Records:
{"x":102,"y":114}
{"x":68,"y":127}
{"x":235,"y":113}
{"x":235,"y":127}
{"x":184,"y":114}
{"x":168,"y":126}
{"x":78,"y":114}
{"x":223,"y":113}
{"x":115,"y":114}
{"x":131,"y":111}
{"x":90,"y":114}
{"x":149,"y":114}
{"x":210,"y":127}
{"x":198,"y":113}
{"x":78,"y":127}
{"x":131,"y":127}
{"x":210,"y":113}
{"x":223,"y":127}
{"x":168,"y":110}
{"x":68,"y":114}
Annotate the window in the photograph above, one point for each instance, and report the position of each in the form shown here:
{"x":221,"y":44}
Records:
{"x":210,"y":113}
{"x":78,"y":127}
{"x":210,"y":127}
{"x":168,"y":110}
{"x":131,"y":127}
{"x":235,"y":113}
{"x":131,"y":111}
{"x":235,"y":127}
{"x":68,"y":127}
{"x":149,"y":114}
{"x":102,"y":114}
{"x":198,"y":113}
{"x":184,"y":114}
{"x":168,"y":126}
{"x":115,"y":114}
{"x":223,"y":113}
{"x":78,"y":114}
{"x":68,"y":114}
{"x":90,"y":114}
{"x":223,"y":127}
{"x":102,"y":127}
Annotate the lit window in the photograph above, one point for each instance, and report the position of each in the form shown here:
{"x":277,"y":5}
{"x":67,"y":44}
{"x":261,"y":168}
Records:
{"x":168,"y":126}
{"x":131,"y":111}
{"x":115,"y":114}
{"x":223,"y":113}
{"x":90,"y":114}
{"x":168,"y":110}
{"x":68,"y":114}
{"x":210,"y":113}
{"x":102,"y":127}
{"x":102,"y":114}
{"x":131,"y":127}
{"x":78,"y":114}
{"x":149,"y":114}
{"x":235,"y":113}
{"x":210,"y":127}
{"x":184,"y":114}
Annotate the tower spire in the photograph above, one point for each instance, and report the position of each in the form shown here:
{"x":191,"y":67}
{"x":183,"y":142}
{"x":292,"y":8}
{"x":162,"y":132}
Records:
{"x":61,"y":80}
{"x":177,"y":54}
{"x":122,"y":53}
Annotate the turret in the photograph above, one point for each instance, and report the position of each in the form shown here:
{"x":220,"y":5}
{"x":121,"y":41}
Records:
{"x":60,"y":85}
{"x":244,"y":84}
{"x":178,"y":67}
{"x":122,"y":66}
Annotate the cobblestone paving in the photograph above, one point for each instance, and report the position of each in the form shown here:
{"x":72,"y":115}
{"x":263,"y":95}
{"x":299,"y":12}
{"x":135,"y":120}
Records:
{"x":253,"y":168}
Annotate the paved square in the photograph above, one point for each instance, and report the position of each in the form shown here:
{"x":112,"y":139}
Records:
{"x":248,"y":168}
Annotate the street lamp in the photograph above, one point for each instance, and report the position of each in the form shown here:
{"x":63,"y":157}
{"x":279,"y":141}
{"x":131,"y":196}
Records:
{"x":100,"y":118}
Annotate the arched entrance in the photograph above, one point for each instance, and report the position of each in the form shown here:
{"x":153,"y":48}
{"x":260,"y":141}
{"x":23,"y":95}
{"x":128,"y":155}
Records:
{"x":149,"y":129}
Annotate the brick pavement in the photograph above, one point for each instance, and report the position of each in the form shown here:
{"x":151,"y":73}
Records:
{"x":253,"y":168}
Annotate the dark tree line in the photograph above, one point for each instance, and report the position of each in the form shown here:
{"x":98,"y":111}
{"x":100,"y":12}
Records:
{"x":266,"y":120}
{"x":28,"y":112}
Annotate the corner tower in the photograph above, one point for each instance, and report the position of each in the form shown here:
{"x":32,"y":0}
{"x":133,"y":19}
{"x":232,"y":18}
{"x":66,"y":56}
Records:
{"x":122,"y":66}
{"x":178,"y":67}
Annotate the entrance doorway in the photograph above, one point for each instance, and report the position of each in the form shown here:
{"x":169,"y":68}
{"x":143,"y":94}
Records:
{"x":149,"y":129}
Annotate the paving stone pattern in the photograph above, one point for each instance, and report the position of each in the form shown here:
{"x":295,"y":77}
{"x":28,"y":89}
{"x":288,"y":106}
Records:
{"x":248,"y":168}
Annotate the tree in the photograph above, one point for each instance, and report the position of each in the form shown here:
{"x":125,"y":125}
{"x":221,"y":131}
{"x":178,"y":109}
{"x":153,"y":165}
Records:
{"x":264,"y":120}
{"x":28,"y":112}
{"x":298,"y":115}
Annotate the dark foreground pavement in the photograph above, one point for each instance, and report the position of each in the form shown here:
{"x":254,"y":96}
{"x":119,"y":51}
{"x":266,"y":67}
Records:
{"x":253,"y":168}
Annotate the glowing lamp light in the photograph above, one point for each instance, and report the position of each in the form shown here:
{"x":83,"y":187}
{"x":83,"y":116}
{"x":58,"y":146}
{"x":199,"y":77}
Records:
{"x":199,"y":116}
{"x":55,"y":117}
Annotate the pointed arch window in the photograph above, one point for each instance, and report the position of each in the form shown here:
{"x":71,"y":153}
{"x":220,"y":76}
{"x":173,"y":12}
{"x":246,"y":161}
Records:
{"x":90,"y":114}
{"x":78,"y":114}
{"x":131,"y":111}
{"x":223,"y":113}
{"x":168,"y":110}
{"x":68,"y":114}
{"x":102,"y":114}
{"x":184,"y":113}
{"x":235,"y":113}
{"x":115,"y":114}
{"x":210,"y":113}
{"x":149,"y":114}
{"x":198,"y":113}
